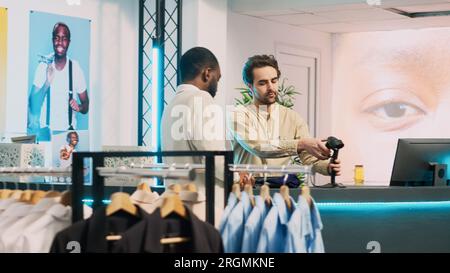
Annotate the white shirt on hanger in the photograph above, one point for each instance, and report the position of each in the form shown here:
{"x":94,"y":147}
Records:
{"x":14,"y":213}
{"x":5,"y":203}
{"x":38,"y":236}
{"x":11,"y":233}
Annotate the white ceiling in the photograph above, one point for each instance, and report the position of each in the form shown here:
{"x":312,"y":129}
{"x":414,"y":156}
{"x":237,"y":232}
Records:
{"x":340,"y":16}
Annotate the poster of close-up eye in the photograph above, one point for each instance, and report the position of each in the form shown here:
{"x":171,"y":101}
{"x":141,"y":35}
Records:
{"x":224,"y":134}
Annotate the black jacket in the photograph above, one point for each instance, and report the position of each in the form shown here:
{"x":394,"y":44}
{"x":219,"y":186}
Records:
{"x":139,"y":234}
{"x":204,"y":238}
{"x":91,"y":234}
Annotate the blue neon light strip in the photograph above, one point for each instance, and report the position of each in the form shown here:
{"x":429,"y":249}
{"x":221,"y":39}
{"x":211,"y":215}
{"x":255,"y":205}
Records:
{"x":156,"y":107}
{"x":90,"y":201}
{"x":362,"y":205}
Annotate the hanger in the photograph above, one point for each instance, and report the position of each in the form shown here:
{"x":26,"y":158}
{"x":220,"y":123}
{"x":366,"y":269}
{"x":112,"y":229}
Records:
{"x":249,"y":190}
{"x":174,"y":240}
{"x":144,"y":187}
{"x":236,"y":189}
{"x":191,"y":187}
{"x":36,"y":196}
{"x":66,"y":198}
{"x":265,"y":194}
{"x":284,"y":191}
{"x":306,"y":193}
{"x":5,"y":193}
{"x":52,"y":194}
{"x":16,"y":194}
{"x":173,"y":204}
{"x":175,"y":188}
{"x":26,"y":196}
{"x":121,"y":201}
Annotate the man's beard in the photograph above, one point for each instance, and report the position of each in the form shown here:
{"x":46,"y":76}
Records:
{"x":268,"y":101}
{"x":212,"y":88}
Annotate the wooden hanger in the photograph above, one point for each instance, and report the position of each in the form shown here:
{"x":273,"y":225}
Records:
{"x":174,"y":240}
{"x":36,"y":196}
{"x":284,"y":191}
{"x":121,"y":201}
{"x":66,"y":198}
{"x":26,"y":196}
{"x":249,"y":190}
{"x":173,"y":204}
{"x":16,"y":194}
{"x":5,"y":194}
{"x":175,"y":188}
{"x":144,"y":187}
{"x":306,"y":193}
{"x":236,"y":189}
{"x":265,"y":194}
{"x":52,"y":194}
{"x":191,"y":187}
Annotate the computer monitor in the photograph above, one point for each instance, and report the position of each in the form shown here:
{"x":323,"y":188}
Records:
{"x":421,"y":162}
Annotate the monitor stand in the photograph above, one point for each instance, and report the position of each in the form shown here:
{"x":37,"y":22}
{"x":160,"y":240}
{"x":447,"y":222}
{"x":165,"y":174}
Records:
{"x":439,"y":174}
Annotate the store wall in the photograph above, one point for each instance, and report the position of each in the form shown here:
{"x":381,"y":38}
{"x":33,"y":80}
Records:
{"x":113,"y":66}
{"x":205,"y":24}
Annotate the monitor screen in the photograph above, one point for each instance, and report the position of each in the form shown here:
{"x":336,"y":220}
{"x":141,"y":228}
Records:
{"x":413,"y":158}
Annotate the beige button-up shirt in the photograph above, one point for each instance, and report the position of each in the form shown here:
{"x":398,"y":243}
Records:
{"x":261,"y":137}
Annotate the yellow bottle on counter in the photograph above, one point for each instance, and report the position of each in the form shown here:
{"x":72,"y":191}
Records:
{"x":359,"y":175}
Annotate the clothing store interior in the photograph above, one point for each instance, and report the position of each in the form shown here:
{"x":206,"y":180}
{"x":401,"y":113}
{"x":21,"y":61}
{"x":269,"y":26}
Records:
{"x":224,"y":126}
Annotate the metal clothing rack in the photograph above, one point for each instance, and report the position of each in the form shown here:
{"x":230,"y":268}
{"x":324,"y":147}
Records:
{"x":98,"y":183}
{"x":286,"y":169}
{"x":35,"y":171}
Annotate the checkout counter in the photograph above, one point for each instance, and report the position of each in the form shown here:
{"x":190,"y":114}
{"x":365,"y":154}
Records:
{"x":384,"y":219}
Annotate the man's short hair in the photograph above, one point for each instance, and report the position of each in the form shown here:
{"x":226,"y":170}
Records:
{"x":72,"y":133}
{"x":60,"y":24}
{"x":258,"y":61}
{"x":194,"y":61}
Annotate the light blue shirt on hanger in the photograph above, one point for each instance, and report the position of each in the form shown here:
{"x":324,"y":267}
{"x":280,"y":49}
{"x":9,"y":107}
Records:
{"x":274,"y":230}
{"x":232,"y":201}
{"x":299,"y":228}
{"x":253,"y":226}
{"x":233,"y":230}
{"x":314,"y":240}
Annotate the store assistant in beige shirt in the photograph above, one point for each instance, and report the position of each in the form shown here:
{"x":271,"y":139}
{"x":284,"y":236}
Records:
{"x":270,"y":137}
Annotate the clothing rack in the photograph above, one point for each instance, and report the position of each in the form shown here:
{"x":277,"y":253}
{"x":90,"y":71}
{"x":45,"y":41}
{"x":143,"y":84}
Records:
{"x":98,"y":183}
{"x":140,"y":172}
{"x":171,"y":166}
{"x":35,"y":171}
{"x":271,"y":169}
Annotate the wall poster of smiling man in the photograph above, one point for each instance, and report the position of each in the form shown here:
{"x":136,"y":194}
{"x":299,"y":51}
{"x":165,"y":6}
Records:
{"x":58,"y":81}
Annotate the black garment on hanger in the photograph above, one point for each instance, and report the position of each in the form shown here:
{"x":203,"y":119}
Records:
{"x":204,"y":238}
{"x":91,"y":233}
